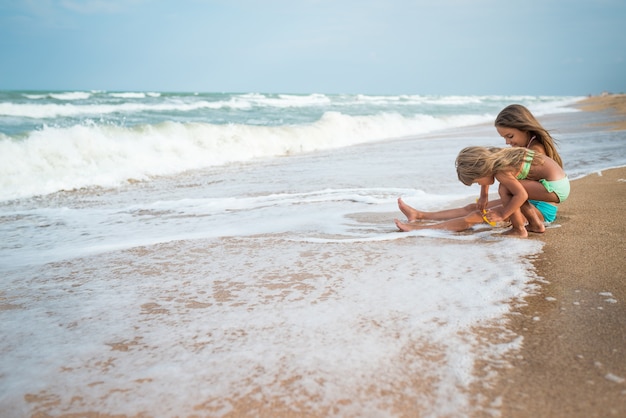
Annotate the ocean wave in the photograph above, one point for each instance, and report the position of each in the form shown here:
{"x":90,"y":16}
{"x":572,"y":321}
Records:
{"x":57,"y":110}
{"x":85,"y":95}
{"x":134,"y":94}
{"x":65,"y":96}
{"x":53,"y":159}
{"x":129,"y":95}
{"x":74,"y":95}
{"x":112,"y":137}
{"x":144,"y":104}
{"x":53,"y":110}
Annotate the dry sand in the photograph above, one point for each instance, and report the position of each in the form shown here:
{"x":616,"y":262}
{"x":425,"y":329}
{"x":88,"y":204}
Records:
{"x":573,"y":358}
{"x":613,"y":103}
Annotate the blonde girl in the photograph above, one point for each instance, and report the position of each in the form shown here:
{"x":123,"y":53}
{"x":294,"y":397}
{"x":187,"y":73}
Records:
{"x":522,"y":173}
{"x":519,"y":128}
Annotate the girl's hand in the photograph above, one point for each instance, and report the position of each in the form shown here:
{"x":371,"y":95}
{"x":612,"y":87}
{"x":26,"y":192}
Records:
{"x":481,"y":203}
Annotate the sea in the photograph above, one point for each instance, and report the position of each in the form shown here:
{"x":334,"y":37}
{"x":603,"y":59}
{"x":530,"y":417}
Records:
{"x":234,"y":254}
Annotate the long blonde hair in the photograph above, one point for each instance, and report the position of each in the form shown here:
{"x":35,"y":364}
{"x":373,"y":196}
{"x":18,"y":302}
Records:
{"x":473,"y":163}
{"x":518,"y":117}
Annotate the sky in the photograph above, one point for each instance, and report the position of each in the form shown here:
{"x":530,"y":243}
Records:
{"x":440,"y":47}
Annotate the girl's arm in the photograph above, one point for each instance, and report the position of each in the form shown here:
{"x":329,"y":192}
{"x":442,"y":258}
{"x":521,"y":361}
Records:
{"x":482,"y":201}
{"x":517,"y":192}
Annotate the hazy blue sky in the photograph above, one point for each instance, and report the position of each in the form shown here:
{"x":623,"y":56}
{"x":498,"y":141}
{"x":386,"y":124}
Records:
{"x":551,"y":47}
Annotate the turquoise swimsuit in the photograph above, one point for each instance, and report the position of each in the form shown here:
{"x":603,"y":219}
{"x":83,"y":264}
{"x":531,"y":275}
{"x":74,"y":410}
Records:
{"x":548,"y":210}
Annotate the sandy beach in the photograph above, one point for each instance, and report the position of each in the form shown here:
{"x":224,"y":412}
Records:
{"x":611,"y":103}
{"x":573,"y":360}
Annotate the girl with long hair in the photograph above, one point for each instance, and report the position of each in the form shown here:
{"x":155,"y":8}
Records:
{"x":522,"y":174}
{"x":519,"y":128}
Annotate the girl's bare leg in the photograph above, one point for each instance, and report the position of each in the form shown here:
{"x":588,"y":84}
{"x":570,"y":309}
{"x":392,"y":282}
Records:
{"x":534,"y":218}
{"x":518,"y":221}
{"x":455,"y":225}
{"x":413,"y":214}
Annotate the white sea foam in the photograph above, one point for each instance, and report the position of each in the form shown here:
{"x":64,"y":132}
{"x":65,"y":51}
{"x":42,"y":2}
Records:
{"x":75,"y":95}
{"x":35,"y":96}
{"x":53,"y":110}
{"x":81,"y":106}
{"x":129,"y":95}
{"x":107,"y":156}
{"x":356,"y":320}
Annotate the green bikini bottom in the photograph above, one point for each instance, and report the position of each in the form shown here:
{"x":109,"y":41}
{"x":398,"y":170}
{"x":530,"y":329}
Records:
{"x":560,"y":187}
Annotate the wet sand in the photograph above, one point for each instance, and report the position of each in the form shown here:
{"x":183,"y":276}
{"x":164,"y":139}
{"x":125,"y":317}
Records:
{"x":573,"y":358}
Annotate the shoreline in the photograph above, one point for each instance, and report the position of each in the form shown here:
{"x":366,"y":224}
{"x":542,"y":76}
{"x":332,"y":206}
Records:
{"x":573,"y":357}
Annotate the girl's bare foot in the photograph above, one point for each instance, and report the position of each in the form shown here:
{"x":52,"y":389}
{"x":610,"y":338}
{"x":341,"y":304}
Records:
{"x":517,"y":232}
{"x":404,"y":227}
{"x":411,"y":214}
{"x":539,"y":229}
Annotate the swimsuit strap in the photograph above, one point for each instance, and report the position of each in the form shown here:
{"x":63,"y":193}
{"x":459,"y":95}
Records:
{"x":528,"y":159}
